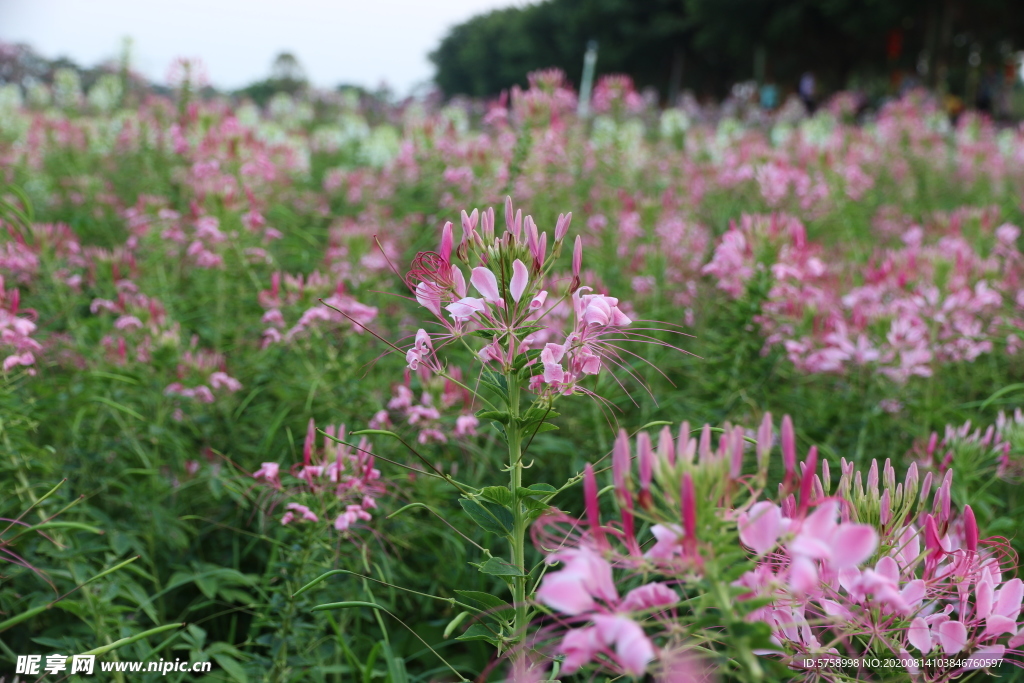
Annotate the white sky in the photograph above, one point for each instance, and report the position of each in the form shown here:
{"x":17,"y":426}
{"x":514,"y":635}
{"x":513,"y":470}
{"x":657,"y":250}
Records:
{"x":362,"y":42}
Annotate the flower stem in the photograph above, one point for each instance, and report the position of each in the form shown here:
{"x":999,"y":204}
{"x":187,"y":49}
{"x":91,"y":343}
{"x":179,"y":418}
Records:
{"x":515,"y":458}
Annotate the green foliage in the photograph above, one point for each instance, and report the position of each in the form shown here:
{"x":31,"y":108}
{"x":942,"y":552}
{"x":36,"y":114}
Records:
{"x":707,"y":45}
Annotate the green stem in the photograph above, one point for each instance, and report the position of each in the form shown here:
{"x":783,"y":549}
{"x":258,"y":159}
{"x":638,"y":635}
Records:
{"x":515,"y":461}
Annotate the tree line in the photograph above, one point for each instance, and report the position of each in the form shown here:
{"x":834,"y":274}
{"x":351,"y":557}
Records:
{"x":708,"y":45}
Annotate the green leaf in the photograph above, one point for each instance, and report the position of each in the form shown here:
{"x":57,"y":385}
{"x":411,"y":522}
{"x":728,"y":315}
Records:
{"x":497,"y":415}
{"x":499,"y":567}
{"x":540,"y":489}
{"x":207,"y":585}
{"x":232,"y":666}
{"x":494,"y":605}
{"x":535,"y":508}
{"x":543,"y":427}
{"x":497,"y":494}
{"x":480,"y":632}
{"x":538,"y":413}
{"x":493,"y":518}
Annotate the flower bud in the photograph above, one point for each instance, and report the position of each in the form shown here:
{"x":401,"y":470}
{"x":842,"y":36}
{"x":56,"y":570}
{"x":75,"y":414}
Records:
{"x":645,"y":456}
{"x":562,"y":227}
{"x":666,"y":448}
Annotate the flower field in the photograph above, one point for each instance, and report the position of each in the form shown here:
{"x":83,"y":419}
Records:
{"x":344,"y":390}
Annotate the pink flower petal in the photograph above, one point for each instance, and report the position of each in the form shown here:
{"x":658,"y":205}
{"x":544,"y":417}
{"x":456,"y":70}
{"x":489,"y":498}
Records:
{"x":648,"y":596}
{"x":565,"y":592}
{"x":1008,"y":599}
{"x":520,"y":278}
{"x":996,"y":625}
{"x":852,"y":544}
{"x":952,"y":637}
{"x":579,"y":646}
{"x":919,"y":636}
{"x":485,"y":282}
{"x":803,"y":575}
{"x":760,"y":528}
{"x":632,"y":647}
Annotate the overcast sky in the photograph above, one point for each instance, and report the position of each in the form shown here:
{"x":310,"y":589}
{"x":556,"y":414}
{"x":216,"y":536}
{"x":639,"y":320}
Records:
{"x":362,"y":42}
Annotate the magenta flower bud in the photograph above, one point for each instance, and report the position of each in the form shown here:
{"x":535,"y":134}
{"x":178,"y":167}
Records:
{"x":542,"y":251}
{"x":310,"y":443}
{"x":593,"y":509}
{"x":932,"y":541}
{"x":970,"y":530}
{"x":933,"y":441}
{"x":688,"y":501}
{"x":446,"y":243}
{"x":562,"y":226}
{"x":806,"y":481}
{"x":888,"y":475}
{"x":885,"y":509}
{"x":621,"y":466}
{"x":666,"y":447}
{"x":788,"y":439}
{"x":645,"y":456}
